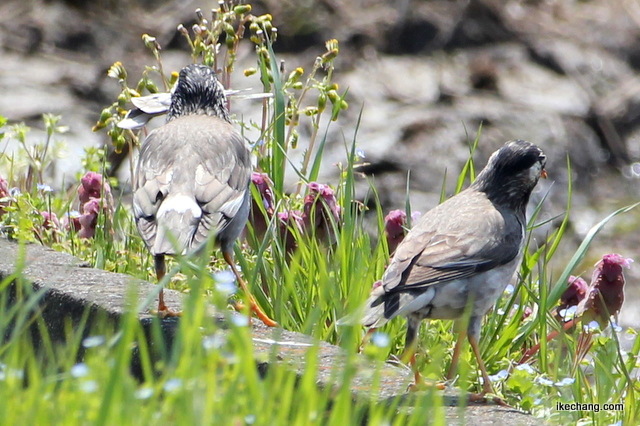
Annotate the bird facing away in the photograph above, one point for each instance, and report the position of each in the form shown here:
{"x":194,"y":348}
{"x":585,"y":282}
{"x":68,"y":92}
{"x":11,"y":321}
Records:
{"x":192,"y":178}
{"x":459,"y":257}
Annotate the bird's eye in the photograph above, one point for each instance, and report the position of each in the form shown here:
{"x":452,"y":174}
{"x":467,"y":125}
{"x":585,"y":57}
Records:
{"x":542,"y":159}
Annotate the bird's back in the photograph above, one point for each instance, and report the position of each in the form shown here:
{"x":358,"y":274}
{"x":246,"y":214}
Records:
{"x":192,"y":180}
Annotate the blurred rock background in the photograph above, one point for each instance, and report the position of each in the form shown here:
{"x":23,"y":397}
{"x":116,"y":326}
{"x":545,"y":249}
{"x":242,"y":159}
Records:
{"x":564,"y":74}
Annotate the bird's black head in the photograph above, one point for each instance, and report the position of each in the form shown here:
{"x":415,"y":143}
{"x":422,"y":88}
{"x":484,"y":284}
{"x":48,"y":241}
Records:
{"x":198,"y":92}
{"x":511,"y":174}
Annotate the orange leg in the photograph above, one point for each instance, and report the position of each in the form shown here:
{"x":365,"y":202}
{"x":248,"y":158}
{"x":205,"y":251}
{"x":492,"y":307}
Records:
{"x":486,"y":386}
{"x":456,"y":355}
{"x":163,"y":309}
{"x":254,"y":305}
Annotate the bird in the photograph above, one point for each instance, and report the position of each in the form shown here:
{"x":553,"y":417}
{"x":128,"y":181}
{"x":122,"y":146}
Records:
{"x":459,"y":257}
{"x":192,"y":178}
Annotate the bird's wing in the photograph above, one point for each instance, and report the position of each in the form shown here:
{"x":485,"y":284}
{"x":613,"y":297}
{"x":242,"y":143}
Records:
{"x":460,"y":238}
{"x":200,"y":158}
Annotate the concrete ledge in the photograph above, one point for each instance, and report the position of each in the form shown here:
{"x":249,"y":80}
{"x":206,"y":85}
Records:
{"x":71,"y":291}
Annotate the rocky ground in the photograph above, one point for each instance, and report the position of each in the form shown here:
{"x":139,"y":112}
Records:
{"x":562,"y":74}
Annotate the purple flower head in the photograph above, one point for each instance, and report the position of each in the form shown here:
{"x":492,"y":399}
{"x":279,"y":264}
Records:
{"x":71,"y":220}
{"x":292,"y":217}
{"x":611,"y":266}
{"x":91,"y":186}
{"x":264,"y":184}
{"x":89,"y":219}
{"x":287,"y":220}
{"x":4,"y":193}
{"x":395,"y":228}
{"x":607,"y":287}
{"x":575,"y":292}
{"x":50,"y":220}
{"x":394,"y":223}
{"x":321,"y":211}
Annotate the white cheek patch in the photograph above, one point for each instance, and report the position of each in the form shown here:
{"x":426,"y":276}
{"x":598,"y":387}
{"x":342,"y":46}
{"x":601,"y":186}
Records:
{"x":535,"y":171}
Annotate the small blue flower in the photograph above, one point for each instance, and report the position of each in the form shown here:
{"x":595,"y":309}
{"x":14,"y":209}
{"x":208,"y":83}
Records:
{"x":93,"y":341}
{"x":172,"y":385}
{"x":215,"y":341}
{"x":525,"y":367}
{"x":509,"y":289}
{"x":144,"y":393}
{"x":79,"y":370}
{"x":592,"y":327}
{"x":44,"y":187}
{"x":499,"y":376}
{"x":543,"y":381}
{"x":615,"y":326}
{"x":239,"y":320}
{"x":380,"y":339}
{"x":89,"y":386}
{"x":569,"y":313}
{"x":567,"y":381}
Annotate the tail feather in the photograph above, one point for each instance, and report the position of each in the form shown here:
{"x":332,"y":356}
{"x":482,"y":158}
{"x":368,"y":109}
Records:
{"x":381,"y":307}
{"x":177,"y":221}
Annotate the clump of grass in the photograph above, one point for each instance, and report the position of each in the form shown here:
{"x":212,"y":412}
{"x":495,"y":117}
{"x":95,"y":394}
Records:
{"x":209,"y":375}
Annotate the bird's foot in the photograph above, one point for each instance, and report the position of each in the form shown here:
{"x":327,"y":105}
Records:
{"x":165,"y":312}
{"x":240,"y":307}
{"x":423,"y":385}
{"x":481,"y":398}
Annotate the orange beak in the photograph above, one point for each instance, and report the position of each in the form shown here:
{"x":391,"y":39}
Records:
{"x":543,"y":174}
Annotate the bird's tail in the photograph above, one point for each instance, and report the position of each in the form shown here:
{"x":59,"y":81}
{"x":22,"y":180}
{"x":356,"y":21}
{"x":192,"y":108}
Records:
{"x":177,"y":221}
{"x":371,"y":314}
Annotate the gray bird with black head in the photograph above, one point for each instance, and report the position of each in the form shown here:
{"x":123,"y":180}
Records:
{"x":192,"y":179}
{"x":460,"y":256}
